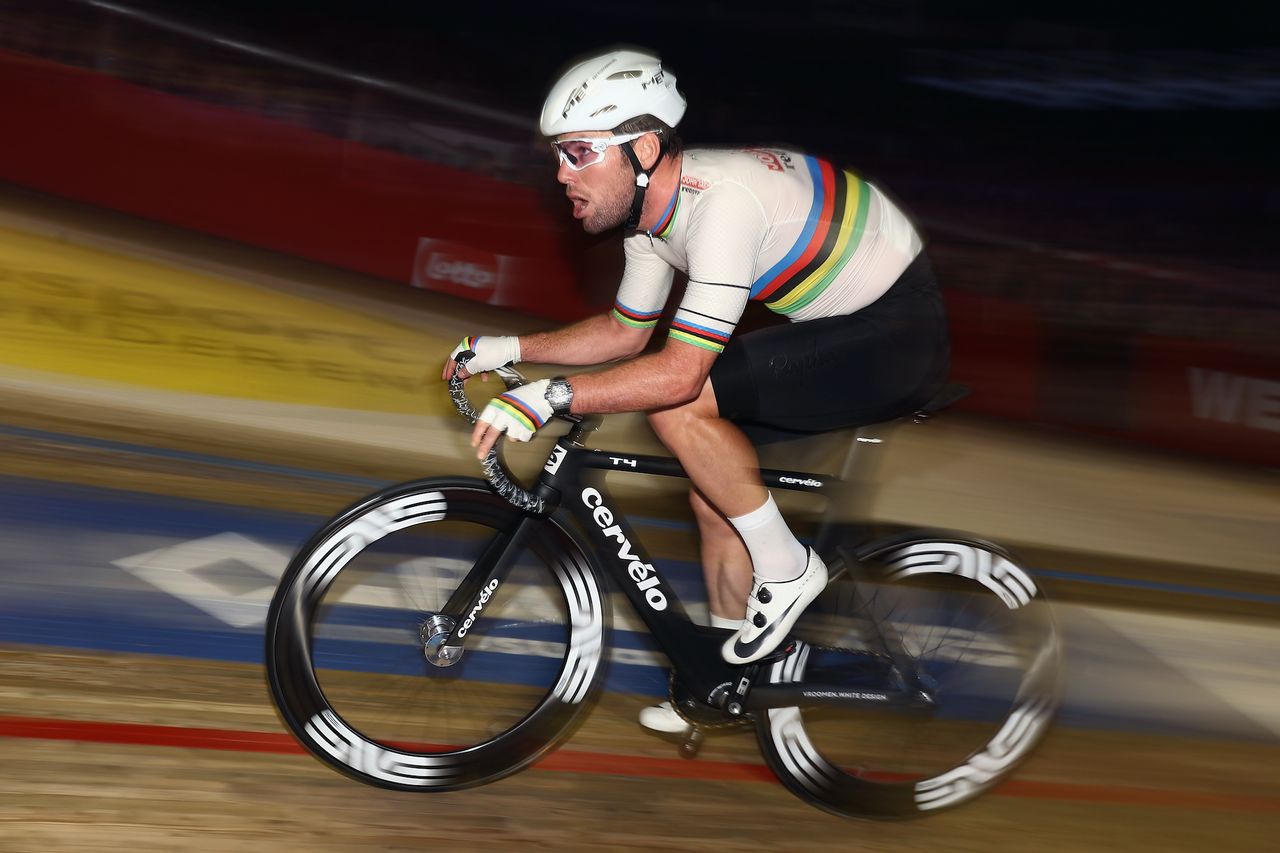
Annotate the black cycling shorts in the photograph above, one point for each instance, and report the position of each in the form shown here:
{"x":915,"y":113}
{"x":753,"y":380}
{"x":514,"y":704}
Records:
{"x":874,"y":365}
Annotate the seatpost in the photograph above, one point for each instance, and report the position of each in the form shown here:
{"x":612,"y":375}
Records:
{"x":865,"y":452}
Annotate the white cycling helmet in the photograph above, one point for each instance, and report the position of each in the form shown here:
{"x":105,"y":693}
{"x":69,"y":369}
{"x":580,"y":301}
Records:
{"x":603,"y":92}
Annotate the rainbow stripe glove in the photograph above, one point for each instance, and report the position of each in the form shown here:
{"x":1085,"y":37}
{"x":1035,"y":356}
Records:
{"x":491,"y":352}
{"x":519,"y":412}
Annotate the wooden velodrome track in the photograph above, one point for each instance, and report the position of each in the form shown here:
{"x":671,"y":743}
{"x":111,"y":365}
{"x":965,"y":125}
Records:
{"x":1164,"y":570}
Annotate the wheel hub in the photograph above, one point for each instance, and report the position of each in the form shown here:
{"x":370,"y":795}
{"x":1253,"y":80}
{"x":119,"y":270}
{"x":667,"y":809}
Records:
{"x":434,"y":632}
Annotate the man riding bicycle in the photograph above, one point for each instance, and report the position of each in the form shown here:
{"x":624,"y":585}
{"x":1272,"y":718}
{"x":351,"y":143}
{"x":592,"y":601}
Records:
{"x":813,"y":242}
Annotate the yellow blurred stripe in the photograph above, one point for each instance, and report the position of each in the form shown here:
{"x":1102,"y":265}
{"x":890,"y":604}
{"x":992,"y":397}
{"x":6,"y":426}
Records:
{"x":110,"y":316}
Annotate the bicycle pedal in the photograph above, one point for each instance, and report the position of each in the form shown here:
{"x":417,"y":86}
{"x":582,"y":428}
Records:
{"x":692,"y":743}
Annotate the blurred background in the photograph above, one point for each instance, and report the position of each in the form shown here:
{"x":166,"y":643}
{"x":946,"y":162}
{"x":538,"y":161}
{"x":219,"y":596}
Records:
{"x":238,"y":238}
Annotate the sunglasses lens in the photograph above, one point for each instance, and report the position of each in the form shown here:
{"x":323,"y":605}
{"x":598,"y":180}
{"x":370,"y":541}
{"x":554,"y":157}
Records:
{"x":578,"y":153}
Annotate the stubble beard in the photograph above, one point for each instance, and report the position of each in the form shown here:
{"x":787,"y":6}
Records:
{"x":608,"y":216}
{"x":613,"y":205}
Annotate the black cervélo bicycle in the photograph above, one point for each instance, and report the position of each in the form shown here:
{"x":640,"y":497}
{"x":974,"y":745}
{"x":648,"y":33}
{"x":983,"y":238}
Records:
{"x":447,"y":632}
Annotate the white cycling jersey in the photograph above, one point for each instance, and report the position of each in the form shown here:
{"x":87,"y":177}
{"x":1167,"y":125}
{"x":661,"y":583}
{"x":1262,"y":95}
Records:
{"x":792,"y":231}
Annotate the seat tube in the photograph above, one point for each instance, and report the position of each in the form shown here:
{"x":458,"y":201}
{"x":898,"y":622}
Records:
{"x":851,"y":503}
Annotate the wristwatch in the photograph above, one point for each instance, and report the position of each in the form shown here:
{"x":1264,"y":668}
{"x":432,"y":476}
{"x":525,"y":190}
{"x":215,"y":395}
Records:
{"x":559,"y":395}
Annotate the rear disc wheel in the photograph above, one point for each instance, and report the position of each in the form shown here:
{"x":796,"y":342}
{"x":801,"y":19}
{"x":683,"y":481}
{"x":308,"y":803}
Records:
{"x":973,"y":631}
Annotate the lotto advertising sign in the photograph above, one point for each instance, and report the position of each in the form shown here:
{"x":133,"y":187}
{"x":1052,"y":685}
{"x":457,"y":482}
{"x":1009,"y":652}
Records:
{"x":540,"y":286}
{"x":459,"y":270}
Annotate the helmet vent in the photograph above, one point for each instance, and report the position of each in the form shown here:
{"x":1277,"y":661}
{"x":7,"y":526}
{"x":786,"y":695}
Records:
{"x":604,"y":110}
{"x":625,"y":75}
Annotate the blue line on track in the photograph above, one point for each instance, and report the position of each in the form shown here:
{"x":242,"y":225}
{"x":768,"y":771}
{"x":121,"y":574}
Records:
{"x":245,"y":465}
{"x":329,"y":476}
{"x":1159,"y":586}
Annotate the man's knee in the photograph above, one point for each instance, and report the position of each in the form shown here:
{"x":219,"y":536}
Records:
{"x":673,"y":420}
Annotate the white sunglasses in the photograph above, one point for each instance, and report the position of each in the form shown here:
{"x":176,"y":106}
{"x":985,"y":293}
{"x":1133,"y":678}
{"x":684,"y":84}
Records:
{"x":578,"y":154}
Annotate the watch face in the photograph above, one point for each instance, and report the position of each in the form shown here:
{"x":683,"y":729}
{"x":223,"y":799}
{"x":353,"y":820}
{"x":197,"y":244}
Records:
{"x":559,"y":395}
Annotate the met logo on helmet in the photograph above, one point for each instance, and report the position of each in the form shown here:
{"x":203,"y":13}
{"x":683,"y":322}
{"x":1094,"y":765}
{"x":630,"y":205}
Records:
{"x":575,"y":98}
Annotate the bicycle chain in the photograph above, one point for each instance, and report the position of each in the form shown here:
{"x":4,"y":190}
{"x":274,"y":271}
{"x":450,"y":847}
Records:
{"x":729,"y":722}
{"x":747,"y":719}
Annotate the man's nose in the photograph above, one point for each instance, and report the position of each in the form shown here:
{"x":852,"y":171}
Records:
{"x":564,"y":174}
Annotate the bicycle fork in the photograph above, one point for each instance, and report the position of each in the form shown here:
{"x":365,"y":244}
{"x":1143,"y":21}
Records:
{"x":444,"y":633}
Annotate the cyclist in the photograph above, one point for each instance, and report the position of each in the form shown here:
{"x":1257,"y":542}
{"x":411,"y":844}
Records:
{"x":867,"y":342}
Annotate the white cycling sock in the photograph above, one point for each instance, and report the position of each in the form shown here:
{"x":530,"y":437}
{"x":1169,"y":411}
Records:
{"x":724,"y":622}
{"x":776,"y":554}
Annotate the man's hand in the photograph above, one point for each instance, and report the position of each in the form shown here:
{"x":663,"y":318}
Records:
{"x":491,"y":352}
{"x":519,"y":413}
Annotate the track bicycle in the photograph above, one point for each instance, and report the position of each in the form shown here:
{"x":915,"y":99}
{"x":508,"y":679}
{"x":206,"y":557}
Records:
{"x":447,"y":632}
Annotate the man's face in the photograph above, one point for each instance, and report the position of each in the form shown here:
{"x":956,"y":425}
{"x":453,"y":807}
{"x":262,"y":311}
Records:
{"x":601,"y":193}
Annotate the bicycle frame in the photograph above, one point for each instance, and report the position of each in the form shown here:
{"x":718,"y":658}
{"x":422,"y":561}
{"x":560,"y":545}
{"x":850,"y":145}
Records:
{"x":565,"y":486}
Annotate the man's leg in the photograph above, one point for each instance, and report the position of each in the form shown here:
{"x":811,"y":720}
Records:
{"x":738,"y":523}
{"x":725,"y":470}
{"x":726,"y":565}
{"x":718,"y":458}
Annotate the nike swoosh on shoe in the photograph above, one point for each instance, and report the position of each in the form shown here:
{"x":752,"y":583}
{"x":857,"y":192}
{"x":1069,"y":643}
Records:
{"x":745,"y":650}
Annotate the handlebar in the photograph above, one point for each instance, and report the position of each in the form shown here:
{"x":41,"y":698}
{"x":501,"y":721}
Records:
{"x":495,"y":470}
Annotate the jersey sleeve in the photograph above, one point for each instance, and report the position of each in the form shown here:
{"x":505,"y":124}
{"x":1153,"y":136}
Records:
{"x":725,"y":237}
{"x":646,"y":284}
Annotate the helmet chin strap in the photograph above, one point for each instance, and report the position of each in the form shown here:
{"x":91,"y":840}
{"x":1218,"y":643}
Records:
{"x":642,"y":181}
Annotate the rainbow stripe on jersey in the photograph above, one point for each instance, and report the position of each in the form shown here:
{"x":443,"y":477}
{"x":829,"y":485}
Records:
{"x":634,"y":318}
{"x":667,"y":223}
{"x":683,"y":329}
{"x":828,"y":240}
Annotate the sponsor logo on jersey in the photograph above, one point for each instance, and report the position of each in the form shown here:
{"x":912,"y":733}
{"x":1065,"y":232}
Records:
{"x":772,"y":160}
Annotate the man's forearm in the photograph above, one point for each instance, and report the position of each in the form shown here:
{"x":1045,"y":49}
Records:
{"x":670,"y":377}
{"x":595,"y":340}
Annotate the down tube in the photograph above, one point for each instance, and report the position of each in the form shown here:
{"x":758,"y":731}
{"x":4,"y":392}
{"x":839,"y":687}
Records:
{"x":654,"y":599}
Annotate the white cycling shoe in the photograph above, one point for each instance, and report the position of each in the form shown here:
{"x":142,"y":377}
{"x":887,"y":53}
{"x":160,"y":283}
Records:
{"x":664,"y":719}
{"x":772,"y":610}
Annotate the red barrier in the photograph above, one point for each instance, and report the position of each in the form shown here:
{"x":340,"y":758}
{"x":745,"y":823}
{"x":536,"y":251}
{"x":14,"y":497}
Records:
{"x":1207,"y":397}
{"x":995,"y":349}
{"x":256,"y":180}
{"x":238,"y":175}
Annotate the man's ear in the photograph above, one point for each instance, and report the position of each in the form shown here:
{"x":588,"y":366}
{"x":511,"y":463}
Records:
{"x":647,"y":149}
